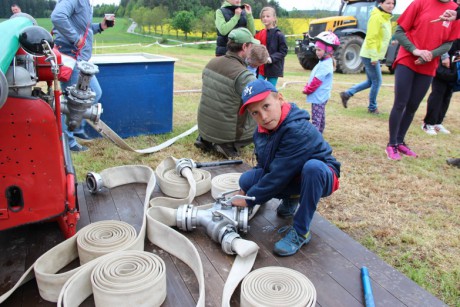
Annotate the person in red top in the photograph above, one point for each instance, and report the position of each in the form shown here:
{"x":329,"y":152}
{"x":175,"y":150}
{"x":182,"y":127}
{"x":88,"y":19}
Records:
{"x":423,"y":42}
{"x":275,"y":41}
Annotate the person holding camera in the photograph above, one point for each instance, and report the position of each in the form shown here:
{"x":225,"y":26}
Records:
{"x":73,"y":30}
{"x":231,"y":15}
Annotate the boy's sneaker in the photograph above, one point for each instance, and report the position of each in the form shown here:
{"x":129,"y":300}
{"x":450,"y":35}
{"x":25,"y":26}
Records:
{"x":405,"y":150}
{"x":78,"y":148}
{"x":287,"y":207}
{"x":392,"y":152}
{"x":291,"y":243}
{"x":345,"y":97}
{"x":441,"y":128}
{"x":429,"y":129}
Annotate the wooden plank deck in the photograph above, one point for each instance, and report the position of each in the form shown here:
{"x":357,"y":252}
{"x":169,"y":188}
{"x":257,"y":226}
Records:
{"x":332,"y":260}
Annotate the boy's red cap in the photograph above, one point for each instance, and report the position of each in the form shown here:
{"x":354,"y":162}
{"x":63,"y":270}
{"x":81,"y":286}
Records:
{"x":256,"y":91}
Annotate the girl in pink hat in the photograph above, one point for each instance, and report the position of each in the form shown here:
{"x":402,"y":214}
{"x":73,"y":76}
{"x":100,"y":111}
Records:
{"x":319,"y":86}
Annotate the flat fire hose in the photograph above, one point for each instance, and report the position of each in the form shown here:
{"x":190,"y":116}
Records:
{"x":111,"y":135}
{"x":161,"y":214}
{"x":72,"y":287}
{"x":277,"y":286}
{"x":112,"y":237}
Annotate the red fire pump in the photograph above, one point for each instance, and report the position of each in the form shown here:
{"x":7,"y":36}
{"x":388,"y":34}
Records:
{"x":37,"y":177}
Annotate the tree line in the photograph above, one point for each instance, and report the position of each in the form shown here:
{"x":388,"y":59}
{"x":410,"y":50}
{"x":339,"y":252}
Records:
{"x":36,"y":8}
{"x":43,"y":8}
{"x":181,"y":15}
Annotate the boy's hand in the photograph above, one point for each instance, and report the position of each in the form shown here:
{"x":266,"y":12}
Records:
{"x":239,"y":203}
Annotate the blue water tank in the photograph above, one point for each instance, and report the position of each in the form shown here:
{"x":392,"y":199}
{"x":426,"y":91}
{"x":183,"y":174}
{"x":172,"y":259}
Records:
{"x":137,"y":92}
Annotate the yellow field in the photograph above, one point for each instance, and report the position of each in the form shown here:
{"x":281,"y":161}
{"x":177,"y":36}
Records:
{"x":298,"y":25}
{"x":295,"y":27}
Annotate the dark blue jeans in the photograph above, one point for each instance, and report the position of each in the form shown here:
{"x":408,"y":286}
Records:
{"x":373,"y":81}
{"x":316,"y":180}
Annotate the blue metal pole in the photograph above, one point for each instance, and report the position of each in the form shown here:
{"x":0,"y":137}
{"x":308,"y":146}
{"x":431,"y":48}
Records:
{"x":368,"y":296}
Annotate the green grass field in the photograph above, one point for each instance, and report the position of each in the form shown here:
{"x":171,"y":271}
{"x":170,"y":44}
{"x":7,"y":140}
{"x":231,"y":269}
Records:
{"x":406,"y":212}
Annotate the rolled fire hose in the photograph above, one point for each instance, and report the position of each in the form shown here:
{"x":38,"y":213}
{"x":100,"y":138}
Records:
{"x":111,"y":135}
{"x":50,"y":283}
{"x":223,"y":183}
{"x":72,"y":287}
{"x":161,"y":215}
{"x":277,"y":286}
{"x":120,"y":278}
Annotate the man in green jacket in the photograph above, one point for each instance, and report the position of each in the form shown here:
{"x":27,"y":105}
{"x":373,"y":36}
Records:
{"x":224,"y":78}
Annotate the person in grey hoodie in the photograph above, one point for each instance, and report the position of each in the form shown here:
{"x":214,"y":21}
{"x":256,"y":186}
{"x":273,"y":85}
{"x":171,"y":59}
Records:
{"x":73,"y":30}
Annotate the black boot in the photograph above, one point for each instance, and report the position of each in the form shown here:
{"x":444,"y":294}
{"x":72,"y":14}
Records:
{"x":454,"y":162}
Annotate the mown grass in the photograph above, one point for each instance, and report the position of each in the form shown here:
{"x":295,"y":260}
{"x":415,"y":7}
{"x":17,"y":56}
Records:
{"x":407,"y":212}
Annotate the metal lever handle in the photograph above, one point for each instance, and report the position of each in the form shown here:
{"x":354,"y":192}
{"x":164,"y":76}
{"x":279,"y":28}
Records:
{"x":217,"y":163}
{"x":228,"y":202}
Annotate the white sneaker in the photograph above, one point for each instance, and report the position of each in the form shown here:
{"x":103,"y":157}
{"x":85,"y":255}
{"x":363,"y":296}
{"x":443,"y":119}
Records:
{"x":440,"y":128}
{"x":429,"y":129}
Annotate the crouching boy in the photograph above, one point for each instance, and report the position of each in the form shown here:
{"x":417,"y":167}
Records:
{"x":292,"y":159}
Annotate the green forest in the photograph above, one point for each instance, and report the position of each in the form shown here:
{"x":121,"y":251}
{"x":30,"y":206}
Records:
{"x":130,"y":8}
{"x":187,"y":16}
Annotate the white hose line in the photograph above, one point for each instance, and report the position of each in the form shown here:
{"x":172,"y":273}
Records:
{"x":131,"y":276}
{"x":45,"y":268}
{"x":223,"y":183}
{"x":162,"y":236}
{"x":124,"y":278}
{"x":72,"y":287}
{"x":177,"y":186}
{"x":277,"y":286}
{"x":112,"y":136}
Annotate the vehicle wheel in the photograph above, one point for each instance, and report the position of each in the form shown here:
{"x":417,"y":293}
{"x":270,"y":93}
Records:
{"x":347,"y":55}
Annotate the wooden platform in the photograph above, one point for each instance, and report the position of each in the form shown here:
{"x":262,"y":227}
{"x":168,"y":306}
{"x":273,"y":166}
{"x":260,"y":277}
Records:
{"x":332,"y":260}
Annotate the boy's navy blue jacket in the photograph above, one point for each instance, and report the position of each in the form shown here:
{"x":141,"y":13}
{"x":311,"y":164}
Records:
{"x":283,"y":152}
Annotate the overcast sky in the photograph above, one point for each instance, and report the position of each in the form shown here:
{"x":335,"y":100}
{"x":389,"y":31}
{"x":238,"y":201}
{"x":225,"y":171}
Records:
{"x":299,"y":4}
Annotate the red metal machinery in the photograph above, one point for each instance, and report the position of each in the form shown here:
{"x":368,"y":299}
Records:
{"x":37,"y":177}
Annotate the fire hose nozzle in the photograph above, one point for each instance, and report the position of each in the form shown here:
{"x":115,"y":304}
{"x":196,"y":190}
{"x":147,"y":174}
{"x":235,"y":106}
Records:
{"x":227,"y":241}
{"x":94,"y":182}
{"x":183,"y":163}
{"x":189,"y":163}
